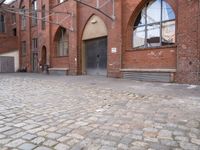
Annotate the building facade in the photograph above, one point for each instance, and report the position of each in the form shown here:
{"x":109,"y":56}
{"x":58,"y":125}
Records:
{"x":8,"y":37}
{"x":152,"y":40}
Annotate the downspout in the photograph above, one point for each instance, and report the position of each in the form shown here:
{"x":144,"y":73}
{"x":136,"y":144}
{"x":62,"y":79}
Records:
{"x":198,"y":40}
{"x":177,"y":48}
{"x":122,"y":41}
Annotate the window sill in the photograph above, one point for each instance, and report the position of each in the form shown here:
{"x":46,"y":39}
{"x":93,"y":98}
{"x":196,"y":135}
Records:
{"x":60,"y":56}
{"x":33,"y":26}
{"x":152,"y":48}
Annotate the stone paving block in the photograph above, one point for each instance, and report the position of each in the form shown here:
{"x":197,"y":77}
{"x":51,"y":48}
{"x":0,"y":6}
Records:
{"x":15,"y":143}
{"x":195,"y":141}
{"x":169,"y":143}
{"x":107,"y":148}
{"x":20,"y":125}
{"x":140,"y":144}
{"x":42,"y":148}
{"x":61,"y":147}
{"x":122,"y":146}
{"x":50,"y":143}
{"x":188,"y":146}
{"x":63,"y":138}
{"x":2,"y":136}
{"x":27,"y":146}
{"x":11,"y":132}
{"x":182,"y":138}
{"x":165,"y":134}
{"x":18,"y":135}
{"x":3,"y":129}
{"x":72,"y":142}
{"x":53,"y":135}
{"x":5,"y":141}
{"x":74,"y":135}
{"x":38,"y":140}
{"x":29,"y":137}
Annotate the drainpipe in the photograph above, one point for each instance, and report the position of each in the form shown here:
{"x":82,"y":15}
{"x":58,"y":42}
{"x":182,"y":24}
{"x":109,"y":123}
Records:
{"x":198,"y":39}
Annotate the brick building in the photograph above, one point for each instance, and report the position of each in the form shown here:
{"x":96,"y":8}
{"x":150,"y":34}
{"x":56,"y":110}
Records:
{"x":8,"y":37}
{"x":153,"y":40}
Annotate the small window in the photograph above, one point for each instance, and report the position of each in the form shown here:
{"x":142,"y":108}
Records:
{"x":43,"y":18}
{"x":62,"y":42}
{"x":23,"y":48}
{"x":34,"y":44}
{"x":23,"y":18}
{"x":2,"y":24}
{"x":154,"y":26}
{"x":34,"y":12}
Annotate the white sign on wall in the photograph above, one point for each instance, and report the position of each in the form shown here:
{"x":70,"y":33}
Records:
{"x":114,"y":50}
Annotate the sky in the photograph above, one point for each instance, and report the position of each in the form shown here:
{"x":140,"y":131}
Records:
{"x":8,"y":1}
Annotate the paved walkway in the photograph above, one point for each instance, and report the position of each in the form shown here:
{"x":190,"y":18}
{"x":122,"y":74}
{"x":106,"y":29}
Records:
{"x":93,"y":113}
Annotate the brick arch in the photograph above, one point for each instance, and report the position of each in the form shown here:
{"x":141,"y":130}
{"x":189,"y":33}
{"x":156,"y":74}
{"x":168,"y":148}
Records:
{"x":135,"y":13}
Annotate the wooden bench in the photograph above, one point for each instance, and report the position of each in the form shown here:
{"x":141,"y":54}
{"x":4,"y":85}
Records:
{"x":58,"y":71}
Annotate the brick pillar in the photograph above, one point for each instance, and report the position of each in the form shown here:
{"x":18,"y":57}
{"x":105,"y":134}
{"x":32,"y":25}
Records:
{"x":73,"y":53}
{"x":187,"y":40}
{"x":115,"y":42}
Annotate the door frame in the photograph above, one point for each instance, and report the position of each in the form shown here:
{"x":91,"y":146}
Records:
{"x":33,"y":62}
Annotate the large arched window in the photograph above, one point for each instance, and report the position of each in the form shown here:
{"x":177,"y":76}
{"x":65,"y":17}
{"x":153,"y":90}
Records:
{"x":62,"y":42}
{"x":155,"y":25}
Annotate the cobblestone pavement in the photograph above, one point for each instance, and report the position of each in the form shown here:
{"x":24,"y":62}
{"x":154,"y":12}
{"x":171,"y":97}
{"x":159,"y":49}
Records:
{"x":91,"y":113}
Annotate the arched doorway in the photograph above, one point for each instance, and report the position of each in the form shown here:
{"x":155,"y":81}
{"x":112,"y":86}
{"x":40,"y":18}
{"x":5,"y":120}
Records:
{"x":94,"y":51}
{"x":43,"y":57}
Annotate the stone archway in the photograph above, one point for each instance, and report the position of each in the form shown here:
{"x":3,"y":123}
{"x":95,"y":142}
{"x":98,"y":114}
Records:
{"x":94,"y":50}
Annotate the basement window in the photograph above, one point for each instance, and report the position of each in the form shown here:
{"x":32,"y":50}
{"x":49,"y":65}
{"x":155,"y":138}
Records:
{"x":154,"y":26}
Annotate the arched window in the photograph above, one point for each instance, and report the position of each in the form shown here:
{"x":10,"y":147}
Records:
{"x":155,"y":25}
{"x":62,"y":42}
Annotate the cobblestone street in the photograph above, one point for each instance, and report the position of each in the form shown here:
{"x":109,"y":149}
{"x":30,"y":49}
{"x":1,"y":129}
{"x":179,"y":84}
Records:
{"x":44,"y":112}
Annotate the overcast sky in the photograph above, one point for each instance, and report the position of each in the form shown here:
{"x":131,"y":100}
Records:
{"x":8,"y":1}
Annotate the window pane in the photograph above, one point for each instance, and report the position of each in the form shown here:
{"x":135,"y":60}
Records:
{"x":154,"y":11}
{"x":65,"y":48}
{"x":168,"y":13}
{"x":139,"y":37}
{"x":140,"y":19}
{"x":168,"y":33}
{"x":153,"y":35}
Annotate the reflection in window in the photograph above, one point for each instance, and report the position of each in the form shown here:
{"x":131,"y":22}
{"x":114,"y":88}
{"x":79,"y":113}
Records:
{"x":155,"y":25}
{"x":139,"y":37}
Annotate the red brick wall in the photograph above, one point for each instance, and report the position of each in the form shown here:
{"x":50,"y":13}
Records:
{"x":184,"y":56}
{"x":114,"y":35}
{"x":163,"y":58}
{"x":8,"y":42}
{"x":187,"y":41}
